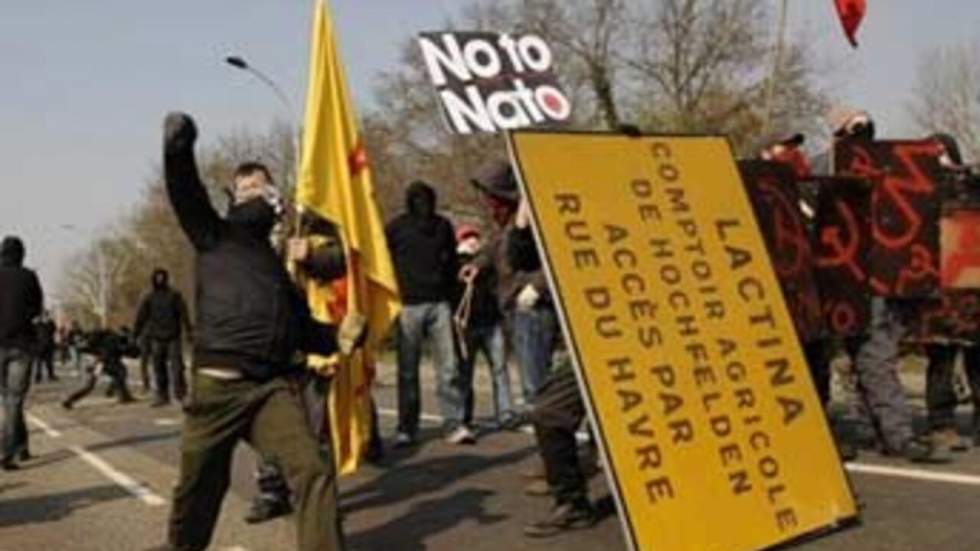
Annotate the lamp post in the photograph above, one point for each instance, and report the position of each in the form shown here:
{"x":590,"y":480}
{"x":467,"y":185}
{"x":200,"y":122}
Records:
{"x":240,"y":63}
{"x":777,"y":61}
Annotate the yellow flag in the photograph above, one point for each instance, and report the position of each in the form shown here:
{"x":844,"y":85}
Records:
{"x":335,"y":183}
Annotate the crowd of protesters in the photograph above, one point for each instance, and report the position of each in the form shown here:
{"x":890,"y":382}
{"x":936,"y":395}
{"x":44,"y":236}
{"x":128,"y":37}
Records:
{"x":474,"y":294}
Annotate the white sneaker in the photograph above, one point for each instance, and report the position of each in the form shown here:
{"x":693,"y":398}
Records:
{"x":461,"y":435}
{"x":403,"y":440}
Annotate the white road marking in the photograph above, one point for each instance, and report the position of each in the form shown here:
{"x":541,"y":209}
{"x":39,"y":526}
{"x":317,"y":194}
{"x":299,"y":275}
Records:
{"x":138,"y":489}
{"x":427,"y":417}
{"x":915,"y":474}
{"x":581,"y":436}
{"x":43,"y":425}
{"x":862,"y":468}
{"x":166,"y":422}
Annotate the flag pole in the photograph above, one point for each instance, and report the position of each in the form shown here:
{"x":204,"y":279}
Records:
{"x":777,"y":62}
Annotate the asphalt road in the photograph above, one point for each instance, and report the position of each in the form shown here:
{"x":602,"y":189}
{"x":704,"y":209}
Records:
{"x":104,"y":473}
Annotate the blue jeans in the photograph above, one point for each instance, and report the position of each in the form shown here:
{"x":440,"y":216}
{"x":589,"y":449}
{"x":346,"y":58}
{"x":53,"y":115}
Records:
{"x":15,"y":380}
{"x":533,"y":335}
{"x":489,"y":341}
{"x":881,"y":396}
{"x":416,"y":322}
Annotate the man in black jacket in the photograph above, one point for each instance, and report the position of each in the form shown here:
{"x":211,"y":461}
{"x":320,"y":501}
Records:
{"x":423,"y":249}
{"x":21,"y":301}
{"x":251,"y":323}
{"x":558,"y":409}
{"x":109,"y":348}
{"x":160,"y":319}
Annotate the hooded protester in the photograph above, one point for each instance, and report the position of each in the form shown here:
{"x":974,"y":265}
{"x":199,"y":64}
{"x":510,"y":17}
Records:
{"x":252,"y":324}
{"x":423,"y":249}
{"x":21,"y":302}
{"x":159,"y":324}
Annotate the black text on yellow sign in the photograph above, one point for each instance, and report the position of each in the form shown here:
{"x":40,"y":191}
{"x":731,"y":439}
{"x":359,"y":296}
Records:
{"x":682,"y":341}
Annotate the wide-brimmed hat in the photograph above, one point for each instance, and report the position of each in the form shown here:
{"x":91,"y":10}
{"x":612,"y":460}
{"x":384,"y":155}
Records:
{"x":497,"y":180}
{"x":952,"y":148}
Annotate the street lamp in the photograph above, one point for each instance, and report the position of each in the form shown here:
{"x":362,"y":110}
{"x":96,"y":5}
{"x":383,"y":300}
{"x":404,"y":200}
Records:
{"x":240,"y":63}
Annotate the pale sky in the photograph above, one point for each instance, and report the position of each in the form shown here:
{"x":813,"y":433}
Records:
{"x":85,"y":85}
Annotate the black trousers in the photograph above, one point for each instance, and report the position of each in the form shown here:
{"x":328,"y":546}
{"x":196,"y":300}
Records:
{"x":818,"y":357}
{"x":941,"y":398}
{"x":168,"y":368}
{"x":44,"y":360}
{"x":268,"y":472}
{"x":146,"y":356}
{"x":558,"y":412}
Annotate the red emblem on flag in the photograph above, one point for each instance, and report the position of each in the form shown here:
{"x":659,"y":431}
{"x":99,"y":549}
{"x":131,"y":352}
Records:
{"x":357,"y":160}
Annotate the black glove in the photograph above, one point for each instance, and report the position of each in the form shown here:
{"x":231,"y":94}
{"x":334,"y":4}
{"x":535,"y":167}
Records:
{"x":179,"y":132}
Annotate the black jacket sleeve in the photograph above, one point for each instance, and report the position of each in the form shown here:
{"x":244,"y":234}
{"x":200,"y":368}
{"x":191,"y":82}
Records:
{"x":315,"y":337}
{"x":141,"y":317}
{"x":35,"y":302}
{"x":522,"y":252}
{"x":453,"y":264}
{"x":185,"y":319}
{"x":187,"y":194}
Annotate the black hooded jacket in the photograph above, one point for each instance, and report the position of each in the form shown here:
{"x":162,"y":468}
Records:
{"x":163,"y":312}
{"x":21,"y":299}
{"x":423,"y":248}
{"x":250,"y":315}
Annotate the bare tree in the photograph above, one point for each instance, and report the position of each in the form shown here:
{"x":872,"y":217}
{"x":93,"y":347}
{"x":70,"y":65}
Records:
{"x":946,"y":96}
{"x":694,"y":66}
{"x":107,"y":281}
{"x":96,"y":274}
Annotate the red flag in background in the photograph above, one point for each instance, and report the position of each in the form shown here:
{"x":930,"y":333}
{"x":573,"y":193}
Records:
{"x":851,"y":13}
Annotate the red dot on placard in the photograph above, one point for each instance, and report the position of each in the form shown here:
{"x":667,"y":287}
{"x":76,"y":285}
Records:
{"x":553,"y":102}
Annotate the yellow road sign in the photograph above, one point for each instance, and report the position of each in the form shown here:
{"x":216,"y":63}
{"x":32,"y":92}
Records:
{"x":682,"y":341}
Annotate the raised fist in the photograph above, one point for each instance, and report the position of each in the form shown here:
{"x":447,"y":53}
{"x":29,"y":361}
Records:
{"x":179,"y":132}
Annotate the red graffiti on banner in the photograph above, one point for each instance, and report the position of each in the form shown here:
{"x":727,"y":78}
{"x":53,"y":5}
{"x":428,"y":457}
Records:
{"x":904,"y":212}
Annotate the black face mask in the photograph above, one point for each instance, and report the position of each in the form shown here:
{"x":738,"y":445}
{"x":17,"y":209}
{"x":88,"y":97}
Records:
{"x":256,"y":216}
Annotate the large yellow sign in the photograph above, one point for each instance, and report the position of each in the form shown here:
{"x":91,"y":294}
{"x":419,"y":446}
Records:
{"x":682,"y":341}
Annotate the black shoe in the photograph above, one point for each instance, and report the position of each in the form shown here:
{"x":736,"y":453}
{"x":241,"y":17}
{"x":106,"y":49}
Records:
{"x":25,"y":455}
{"x":565,"y":516}
{"x":67,"y":404}
{"x":848,"y":450}
{"x":511,"y":422}
{"x":9,"y":465}
{"x":919,"y":450}
{"x":264,"y":510}
{"x":375,"y":452}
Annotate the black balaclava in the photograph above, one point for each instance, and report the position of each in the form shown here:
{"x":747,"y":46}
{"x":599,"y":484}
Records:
{"x":161,"y":279}
{"x":256,"y":216}
{"x":420,"y":202}
{"x":12,"y":251}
